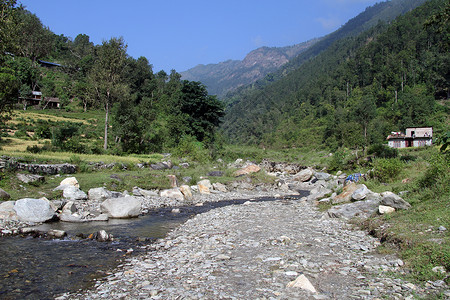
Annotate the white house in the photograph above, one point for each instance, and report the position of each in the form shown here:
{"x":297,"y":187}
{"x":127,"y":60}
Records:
{"x":414,"y":137}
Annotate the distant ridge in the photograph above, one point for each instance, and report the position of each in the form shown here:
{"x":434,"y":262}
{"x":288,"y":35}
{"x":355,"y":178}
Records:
{"x":226,"y":76}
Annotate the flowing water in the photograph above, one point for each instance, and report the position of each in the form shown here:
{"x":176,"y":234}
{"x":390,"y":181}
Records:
{"x":37,"y":268}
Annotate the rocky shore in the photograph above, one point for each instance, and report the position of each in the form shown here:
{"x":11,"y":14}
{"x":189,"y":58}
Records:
{"x":280,"y":249}
{"x":257,"y":251}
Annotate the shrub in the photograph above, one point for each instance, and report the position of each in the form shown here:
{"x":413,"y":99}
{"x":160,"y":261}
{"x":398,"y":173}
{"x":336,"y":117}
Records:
{"x":387,"y":169}
{"x":382,"y":151}
{"x":189,"y":146}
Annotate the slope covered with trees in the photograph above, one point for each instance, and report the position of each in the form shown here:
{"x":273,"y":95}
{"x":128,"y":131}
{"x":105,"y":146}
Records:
{"x":144,"y":111}
{"x":356,"y":91}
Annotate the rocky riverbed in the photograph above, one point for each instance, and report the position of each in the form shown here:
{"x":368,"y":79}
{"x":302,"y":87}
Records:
{"x":280,"y":249}
{"x":284,"y":249}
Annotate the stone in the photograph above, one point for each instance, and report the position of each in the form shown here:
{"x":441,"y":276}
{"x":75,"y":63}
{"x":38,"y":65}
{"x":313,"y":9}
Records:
{"x":30,"y":178}
{"x":360,"y":193}
{"x":393,"y":200}
{"x":101,"y":217}
{"x":102,"y":236}
{"x":144,"y":193}
{"x":71,"y":218}
{"x":362,"y":209}
{"x":205,"y":182}
{"x":7,"y":211}
{"x":70,"y":181}
{"x":303,"y":175}
{"x":4,"y":195}
{"x":247,"y":170}
{"x":203,"y":189}
{"x":303,"y":283}
{"x":186,"y":191}
{"x":442,"y":228}
{"x":322,"y":176}
{"x":346,"y":195}
{"x":72,"y":192}
{"x":69,"y":208}
{"x":439,"y":269}
{"x":56,"y":233}
{"x":34,"y":210}
{"x":220,"y":187}
{"x":123,"y":207}
{"x":173,"y":180}
{"x":99,"y":194}
{"x":215,"y":174}
{"x":174,"y":193}
{"x":382,"y":209}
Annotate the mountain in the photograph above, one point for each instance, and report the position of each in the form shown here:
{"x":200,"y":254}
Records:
{"x":354,"y":90}
{"x":226,"y":76}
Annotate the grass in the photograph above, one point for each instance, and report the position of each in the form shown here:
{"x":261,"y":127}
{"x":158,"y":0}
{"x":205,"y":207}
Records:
{"x":16,"y":145}
{"x":414,"y":234}
{"x":31,"y":116}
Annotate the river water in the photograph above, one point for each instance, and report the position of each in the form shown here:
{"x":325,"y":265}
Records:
{"x":38,"y":268}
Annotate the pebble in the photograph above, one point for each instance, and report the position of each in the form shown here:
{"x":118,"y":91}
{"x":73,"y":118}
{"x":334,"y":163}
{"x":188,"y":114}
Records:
{"x":254,"y":252}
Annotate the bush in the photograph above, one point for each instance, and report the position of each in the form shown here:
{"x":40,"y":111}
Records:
{"x":438,"y":170}
{"x":387,"y":169}
{"x":189,"y":146}
{"x":382,"y":151}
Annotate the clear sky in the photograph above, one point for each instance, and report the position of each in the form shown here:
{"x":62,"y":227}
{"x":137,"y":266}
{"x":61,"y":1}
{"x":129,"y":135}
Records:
{"x":180,"y":34}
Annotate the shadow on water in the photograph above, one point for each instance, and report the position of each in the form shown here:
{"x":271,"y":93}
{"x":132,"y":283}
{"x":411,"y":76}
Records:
{"x":37,"y":268}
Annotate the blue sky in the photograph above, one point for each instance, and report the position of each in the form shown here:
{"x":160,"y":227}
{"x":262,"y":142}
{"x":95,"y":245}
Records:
{"x":180,"y":34}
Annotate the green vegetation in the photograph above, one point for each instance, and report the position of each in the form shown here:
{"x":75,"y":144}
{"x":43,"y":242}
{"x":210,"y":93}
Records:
{"x":354,"y":92}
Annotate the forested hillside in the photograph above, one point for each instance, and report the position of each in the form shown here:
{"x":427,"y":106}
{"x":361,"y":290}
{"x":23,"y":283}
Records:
{"x":356,"y":91}
{"x":144,"y":111}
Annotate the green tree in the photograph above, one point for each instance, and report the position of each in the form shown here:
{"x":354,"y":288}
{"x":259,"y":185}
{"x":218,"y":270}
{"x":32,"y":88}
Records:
{"x":106,"y":76}
{"x":9,"y":90}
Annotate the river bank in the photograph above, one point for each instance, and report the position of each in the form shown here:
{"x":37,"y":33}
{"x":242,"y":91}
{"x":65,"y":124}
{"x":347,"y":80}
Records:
{"x":254,"y":251}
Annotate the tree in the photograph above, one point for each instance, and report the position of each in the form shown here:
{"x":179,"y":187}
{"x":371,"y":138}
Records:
{"x":9,"y":90}
{"x":106,"y":76}
{"x":203,"y":112}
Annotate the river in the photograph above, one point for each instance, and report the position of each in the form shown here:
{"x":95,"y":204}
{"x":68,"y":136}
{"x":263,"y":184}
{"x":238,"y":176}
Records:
{"x":39,"y":268}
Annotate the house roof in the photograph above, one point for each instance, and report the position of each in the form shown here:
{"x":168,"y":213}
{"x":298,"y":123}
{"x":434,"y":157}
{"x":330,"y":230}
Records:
{"x":396,"y":136}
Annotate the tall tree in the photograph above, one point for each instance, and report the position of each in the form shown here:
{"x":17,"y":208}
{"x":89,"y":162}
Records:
{"x":106,"y":76}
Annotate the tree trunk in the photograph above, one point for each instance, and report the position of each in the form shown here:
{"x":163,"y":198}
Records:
{"x":105,"y":145}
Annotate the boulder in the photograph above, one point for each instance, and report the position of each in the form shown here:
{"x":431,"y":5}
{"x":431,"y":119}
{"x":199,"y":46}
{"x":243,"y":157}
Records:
{"x":4,"y":195}
{"x":205,"y":182}
{"x":54,"y":233}
{"x":99,"y":194}
{"x":393,"y":200}
{"x":220,"y":187}
{"x":303,"y":175}
{"x":204,"y":186}
{"x":215,"y":174}
{"x":174,"y":193}
{"x":30,"y":178}
{"x":70,"y":181}
{"x":173,"y":180}
{"x":186,"y":191}
{"x":319,"y":193}
{"x":69,"y":208}
{"x":7,"y":211}
{"x":322,"y":176}
{"x":362,"y":209}
{"x":122,"y":208}
{"x":34,"y":210}
{"x":302,"y":282}
{"x":360,"y":193}
{"x":346,"y":195}
{"x":385,"y":209}
{"x":72,"y":192}
{"x":71,"y":218}
{"x":247,"y":170}
{"x":144,"y":193}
